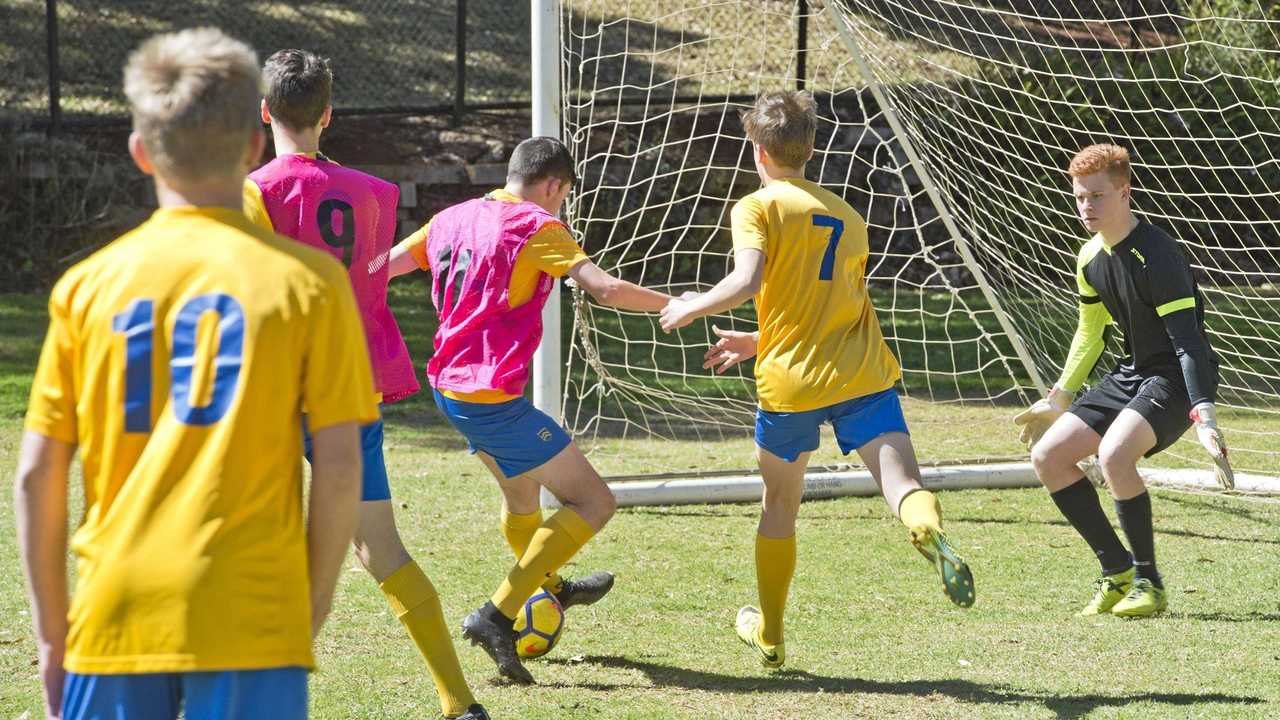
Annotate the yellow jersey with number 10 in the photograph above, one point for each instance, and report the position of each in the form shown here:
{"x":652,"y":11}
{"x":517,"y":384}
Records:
{"x":820,"y":342}
{"x":178,"y":359}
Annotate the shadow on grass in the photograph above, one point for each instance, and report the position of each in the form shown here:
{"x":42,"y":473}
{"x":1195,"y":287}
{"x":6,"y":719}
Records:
{"x":1252,"y":616}
{"x":1159,"y":529}
{"x":1063,"y":706}
{"x":1233,"y":509}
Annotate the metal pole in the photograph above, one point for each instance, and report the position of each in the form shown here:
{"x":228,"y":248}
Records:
{"x":55,"y":75}
{"x":802,"y":43}
{"x":546,"y":122}
{"x":460,"y":62}
{"x":962,"y":245}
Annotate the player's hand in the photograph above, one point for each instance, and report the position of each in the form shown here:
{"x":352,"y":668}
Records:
{"x":52,"y":676}
{"x":688,"y":295}
{"x":1205,"y":416}
{"x":732,"y":348}
{"x":1043,"y":413}
{"x":676,"y":315}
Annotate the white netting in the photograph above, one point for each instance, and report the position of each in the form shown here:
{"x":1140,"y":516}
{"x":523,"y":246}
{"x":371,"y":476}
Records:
{"x":994,"y":98}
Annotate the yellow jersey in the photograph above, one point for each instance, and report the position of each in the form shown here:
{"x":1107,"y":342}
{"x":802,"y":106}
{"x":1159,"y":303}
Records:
{"x":820,"y":342}
{"x":178,"y":358}
{"x":551,"y":250}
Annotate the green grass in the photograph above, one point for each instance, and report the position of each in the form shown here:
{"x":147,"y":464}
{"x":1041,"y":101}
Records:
{"x":869,"y":633}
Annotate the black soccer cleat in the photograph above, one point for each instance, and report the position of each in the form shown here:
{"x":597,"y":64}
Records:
{"x":475,"y":712}
{"x":498,"y":641}
{"x":585,"y":591}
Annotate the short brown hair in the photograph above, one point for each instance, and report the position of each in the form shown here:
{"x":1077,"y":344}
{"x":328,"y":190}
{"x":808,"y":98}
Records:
{"x":194,"y":97}
{"x":1103,"y":157}
{"x":539,"y":158}
{"x":784,"y":124}
{"x":299,"y":87}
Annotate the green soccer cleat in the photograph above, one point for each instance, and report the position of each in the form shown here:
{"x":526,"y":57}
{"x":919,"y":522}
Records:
{"x":1111,"y":589}
{"x":957,"y":580}
{"x":1144,"y":600}
{"x":748,"y":627}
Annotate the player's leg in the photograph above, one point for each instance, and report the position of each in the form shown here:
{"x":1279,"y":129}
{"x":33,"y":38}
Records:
{"x":586,"y":506}
{"x":148,"y":696}
{"x":409,"y":591}
{"x":523,"y":441}
{"x":1155,"y":418}
{"x":784,"y":442}
{"x":1075,"y":436}
{"x":276,"y":693}
{"x":875,"y":426}
{"x":521,"y":517}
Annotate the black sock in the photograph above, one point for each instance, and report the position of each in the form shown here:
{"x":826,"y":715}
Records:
{"x":492,"y":612}
{"x":1135,"y":519}
{"x":1080,"y":506}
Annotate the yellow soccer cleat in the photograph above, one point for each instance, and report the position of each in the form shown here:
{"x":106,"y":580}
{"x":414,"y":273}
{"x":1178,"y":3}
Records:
{"x":1144,"y":600}
{"x":748,"y":627}
{"x":957,"y":579}
{"x":1111,"y":589}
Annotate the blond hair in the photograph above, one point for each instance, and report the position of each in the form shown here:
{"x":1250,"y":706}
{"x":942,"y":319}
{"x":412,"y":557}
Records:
{"x":784,"y":124}
{"x":1103,"y":157}
{"x":194,"y":96}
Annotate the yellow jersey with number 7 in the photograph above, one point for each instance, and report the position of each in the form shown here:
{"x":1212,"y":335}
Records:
{"x":820,"y":342}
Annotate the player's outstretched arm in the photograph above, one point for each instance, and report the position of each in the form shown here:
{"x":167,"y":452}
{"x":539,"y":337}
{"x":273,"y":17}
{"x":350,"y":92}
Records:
{"x":40,"y":507}
{"x":616,"y":292}
{"x":736,"y":288}
{"x":331,"y":518}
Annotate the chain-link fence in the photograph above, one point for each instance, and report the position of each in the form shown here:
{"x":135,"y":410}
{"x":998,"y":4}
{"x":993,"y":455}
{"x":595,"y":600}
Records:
{"x":64,"y":57}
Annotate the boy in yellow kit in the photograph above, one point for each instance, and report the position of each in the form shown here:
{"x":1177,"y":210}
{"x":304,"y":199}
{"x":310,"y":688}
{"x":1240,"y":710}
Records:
{"x":802,"y":251}
{"x":177,"y":359}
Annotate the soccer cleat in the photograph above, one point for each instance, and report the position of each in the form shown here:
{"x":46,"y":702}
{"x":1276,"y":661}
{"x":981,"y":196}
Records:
{"x":748,"y":627}
{"x":1110,"y":589}
{"x":1144,"y":600}
{"x":475,"y":712}
{"x":584,"y":591}
{"x":498,"y":642}
{"x":957,"y":579}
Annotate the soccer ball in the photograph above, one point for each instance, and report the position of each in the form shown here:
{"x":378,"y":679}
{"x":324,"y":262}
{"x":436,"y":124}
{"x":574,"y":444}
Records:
{"x":538,"y":625}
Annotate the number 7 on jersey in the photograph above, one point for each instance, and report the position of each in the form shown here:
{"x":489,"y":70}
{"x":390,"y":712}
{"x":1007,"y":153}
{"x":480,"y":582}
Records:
{"x":829,"y":258}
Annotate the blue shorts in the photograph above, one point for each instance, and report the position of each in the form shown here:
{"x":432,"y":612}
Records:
{"x":518,"y":436}
{"x":856,"y":422}
{"x":374,"y":484}
{"x":275,"y":693}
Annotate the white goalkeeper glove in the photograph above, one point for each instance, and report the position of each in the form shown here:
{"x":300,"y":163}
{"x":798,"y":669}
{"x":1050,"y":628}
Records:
{"x":1042,"y":414}
{"x":1205,"y":417}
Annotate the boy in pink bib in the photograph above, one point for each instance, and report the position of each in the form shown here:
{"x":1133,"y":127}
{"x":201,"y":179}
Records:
{"x":305,"y":196}
{"x":493,"y":261}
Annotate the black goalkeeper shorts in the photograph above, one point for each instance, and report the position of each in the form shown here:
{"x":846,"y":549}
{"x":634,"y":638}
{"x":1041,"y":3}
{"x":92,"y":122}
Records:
{"x":1160,"y":399}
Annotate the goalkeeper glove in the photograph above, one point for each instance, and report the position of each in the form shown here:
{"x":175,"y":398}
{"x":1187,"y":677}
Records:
{"x":1042,"y":414}
{"x":1205,"y":417}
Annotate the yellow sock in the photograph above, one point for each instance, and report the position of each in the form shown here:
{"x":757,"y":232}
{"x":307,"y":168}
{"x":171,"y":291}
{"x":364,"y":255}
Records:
{"x":414,"y":600}
{"x":519,"y":530}
{"x":775,"y":564}
{"x":920,"y":507}
{"x":557,"y":540}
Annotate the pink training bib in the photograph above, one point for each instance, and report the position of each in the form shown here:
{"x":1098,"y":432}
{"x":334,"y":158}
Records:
{"x":482,"y":343}
{"x":353,"y":216}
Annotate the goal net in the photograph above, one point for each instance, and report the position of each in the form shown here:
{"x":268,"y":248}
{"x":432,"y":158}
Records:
{"x":946,"y":124}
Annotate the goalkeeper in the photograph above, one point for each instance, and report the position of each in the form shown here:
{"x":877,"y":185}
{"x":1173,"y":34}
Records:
{"x":1130,"y":274}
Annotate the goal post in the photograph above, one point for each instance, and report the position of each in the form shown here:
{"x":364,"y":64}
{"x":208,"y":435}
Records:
{"x":946,"y":124}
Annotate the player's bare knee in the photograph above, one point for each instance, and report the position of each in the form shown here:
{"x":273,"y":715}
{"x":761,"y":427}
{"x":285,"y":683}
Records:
{"x":1115,"y":459}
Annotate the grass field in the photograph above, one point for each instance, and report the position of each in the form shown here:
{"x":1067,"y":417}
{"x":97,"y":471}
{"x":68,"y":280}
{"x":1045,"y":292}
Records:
{"x":869,"y":633}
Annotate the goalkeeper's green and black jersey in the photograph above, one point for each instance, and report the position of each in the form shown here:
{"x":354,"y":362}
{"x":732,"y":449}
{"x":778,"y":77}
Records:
{"x":1144,"y":286}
